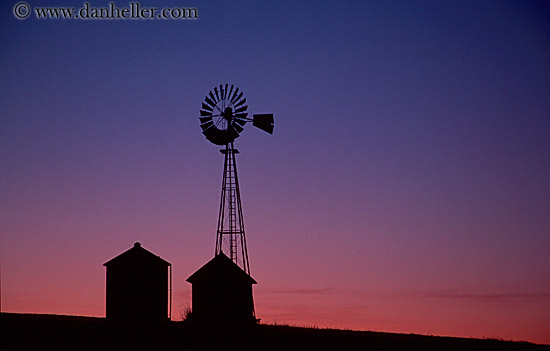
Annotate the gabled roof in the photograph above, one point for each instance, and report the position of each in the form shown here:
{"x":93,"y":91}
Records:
{"x":136,"y":253}
{"x":220,"y":265}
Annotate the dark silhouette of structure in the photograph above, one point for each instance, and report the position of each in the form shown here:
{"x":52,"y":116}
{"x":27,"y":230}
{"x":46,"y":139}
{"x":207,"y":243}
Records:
{"x":137,"y":287}
{"x":222,"y":288}
{"x":222,"y":117}
{"x":222,"y":293}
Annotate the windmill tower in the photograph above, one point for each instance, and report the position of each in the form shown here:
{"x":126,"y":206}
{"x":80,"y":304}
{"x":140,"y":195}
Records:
{"x":223,"y":117}
{"x":222,"y":288}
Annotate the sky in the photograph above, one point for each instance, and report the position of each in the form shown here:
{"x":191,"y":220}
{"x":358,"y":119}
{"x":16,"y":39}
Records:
{"x":406,"y":187}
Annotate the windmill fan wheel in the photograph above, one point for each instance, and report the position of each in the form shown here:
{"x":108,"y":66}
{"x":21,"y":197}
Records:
{"x":223,"y":114}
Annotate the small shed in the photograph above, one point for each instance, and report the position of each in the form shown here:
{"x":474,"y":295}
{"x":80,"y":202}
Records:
{"x":222,"y":293}
{"x":138,"y":287}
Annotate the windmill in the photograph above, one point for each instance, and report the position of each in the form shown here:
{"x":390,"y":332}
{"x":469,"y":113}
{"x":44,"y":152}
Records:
{"x":223,"y":117}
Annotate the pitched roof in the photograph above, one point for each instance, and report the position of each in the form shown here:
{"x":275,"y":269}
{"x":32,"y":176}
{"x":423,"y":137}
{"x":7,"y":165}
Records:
{"x":220,"y":265}
{"x":136,"y":253}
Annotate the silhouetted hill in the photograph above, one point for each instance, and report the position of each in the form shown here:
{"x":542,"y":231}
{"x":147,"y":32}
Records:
{"x":53,"y":332}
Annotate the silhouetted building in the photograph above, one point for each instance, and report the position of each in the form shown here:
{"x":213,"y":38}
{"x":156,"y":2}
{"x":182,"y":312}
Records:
{"x":222,"y":293}
{"x":137,"y":287}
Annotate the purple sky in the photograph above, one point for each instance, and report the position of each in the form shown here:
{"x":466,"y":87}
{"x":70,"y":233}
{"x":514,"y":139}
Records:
{"x":406,"y":187}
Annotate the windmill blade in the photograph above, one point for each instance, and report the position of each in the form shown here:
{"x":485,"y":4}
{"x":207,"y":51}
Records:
{"x":242,"y":109}
{"x":215,"y":136}
{"x":234,"y":94}
{"x":216,"y":90}
{"x":205,"y":119}
{"x":240,"y":121}
{"x":264,"y":121}
{"x":206,"y":125}
{"x":206,"y":113}
{"x":222,"y":92}
{"x":221,"y":137}
{"x":240,"y":102}
{"x":237,"y":127}
{"x":238,"y":97}
{"x":230,"y":91}
{"x":232,"y":133}
{"x":211,"y":133}
{"x":212,"y":103}
{"x":241,"y":115}
{"x":225,"y":95}
{"x":213,"y":98}
{"x":206,"y":107}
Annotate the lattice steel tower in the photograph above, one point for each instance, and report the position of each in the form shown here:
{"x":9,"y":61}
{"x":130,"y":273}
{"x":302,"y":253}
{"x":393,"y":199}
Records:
{"x":231,"y":238}
{"x":223,"y":116}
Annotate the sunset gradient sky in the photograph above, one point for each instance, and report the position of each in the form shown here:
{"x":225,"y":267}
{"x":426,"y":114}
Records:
{"x":406,"y":187}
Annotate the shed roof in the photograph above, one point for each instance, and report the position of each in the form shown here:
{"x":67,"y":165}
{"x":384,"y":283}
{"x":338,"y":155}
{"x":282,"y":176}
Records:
{"x":220,"y":265}
{"x":136,"y":253}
